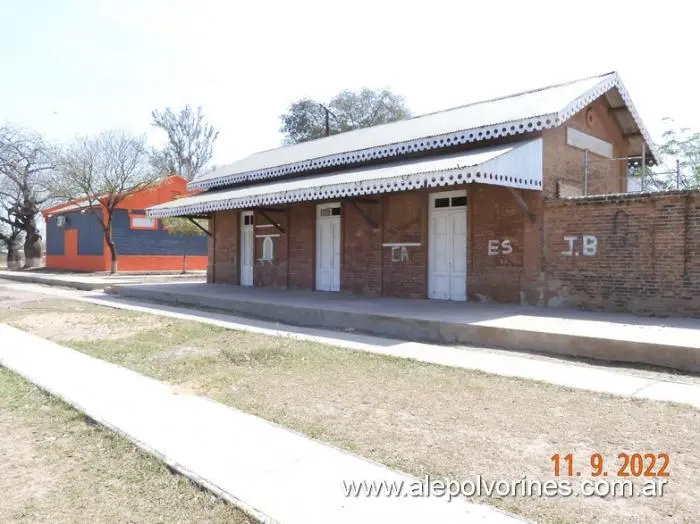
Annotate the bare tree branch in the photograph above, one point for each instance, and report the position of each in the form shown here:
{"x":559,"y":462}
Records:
{"x":103,"y":171}
{"x":190,"y":144}
{"x":25,"y":160}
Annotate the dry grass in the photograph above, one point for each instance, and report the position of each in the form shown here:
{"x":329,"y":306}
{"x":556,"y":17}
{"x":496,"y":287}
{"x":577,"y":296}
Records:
{"x":426,"y":419}
{"x":56,"y":467}
{"x":62,"y":321}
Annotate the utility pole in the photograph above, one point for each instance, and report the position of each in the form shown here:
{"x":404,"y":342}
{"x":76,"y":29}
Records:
{"x":644,"y":166}
{"x":585,"y":172}
{"x":328,"y":113}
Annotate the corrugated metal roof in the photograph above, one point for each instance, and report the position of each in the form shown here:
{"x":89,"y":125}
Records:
{"x":71,"y":206}
{"x":515,"y":165}
{"x":511,"y":115}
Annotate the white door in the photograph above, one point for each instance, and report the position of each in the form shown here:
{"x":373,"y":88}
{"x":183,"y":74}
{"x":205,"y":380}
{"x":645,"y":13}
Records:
{"x":447,"y":245}
{"x":247,"y":239}
{"x":328,"y":247}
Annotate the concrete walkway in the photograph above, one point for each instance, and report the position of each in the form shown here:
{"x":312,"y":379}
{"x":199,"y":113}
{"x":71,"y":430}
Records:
{"x":615,"y":381}
{"x":274,"y":474}
{"x":94,"y":281}
{"x":672,"y":342}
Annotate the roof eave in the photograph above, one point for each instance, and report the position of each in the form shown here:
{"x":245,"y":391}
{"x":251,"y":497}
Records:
{"x":353,"y":158}
{"x":517,"y":167}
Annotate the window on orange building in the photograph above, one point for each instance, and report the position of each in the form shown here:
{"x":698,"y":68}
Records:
{"x":142,"y":222}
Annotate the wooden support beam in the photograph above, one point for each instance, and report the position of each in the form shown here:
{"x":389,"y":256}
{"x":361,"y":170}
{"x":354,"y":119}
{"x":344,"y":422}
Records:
{"x":206,"y":231}
{"x":617,"y":110}
{"x":364,"y":215}
{"x":267,"y":217}
{"x":631,"y":135}
{"x":522,"y":204}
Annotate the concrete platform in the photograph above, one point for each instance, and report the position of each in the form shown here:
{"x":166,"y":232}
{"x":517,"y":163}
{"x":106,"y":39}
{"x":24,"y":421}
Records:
{"x":669,"y":343}
{"x":95,"y":281}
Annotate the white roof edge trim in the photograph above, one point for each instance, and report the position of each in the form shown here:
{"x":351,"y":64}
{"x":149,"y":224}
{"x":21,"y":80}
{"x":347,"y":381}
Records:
{"x":516,"y":165}
{"x":637,"y":119}
{"x":477,"y":134}
{"x":599,"y":90}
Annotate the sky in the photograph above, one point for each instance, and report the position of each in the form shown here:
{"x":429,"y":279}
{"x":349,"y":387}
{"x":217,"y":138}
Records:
{"x":78,"y":67}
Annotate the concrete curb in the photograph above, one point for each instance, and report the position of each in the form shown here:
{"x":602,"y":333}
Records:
{"x":38,"y":279}
{"x":86,"y":285}
{"x":598,"y":348}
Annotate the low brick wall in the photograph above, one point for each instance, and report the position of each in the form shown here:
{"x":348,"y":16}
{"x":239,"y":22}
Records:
{"x":636,"y":252}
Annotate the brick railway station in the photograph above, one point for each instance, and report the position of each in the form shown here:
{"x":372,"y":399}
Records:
{"x":522,"y":199}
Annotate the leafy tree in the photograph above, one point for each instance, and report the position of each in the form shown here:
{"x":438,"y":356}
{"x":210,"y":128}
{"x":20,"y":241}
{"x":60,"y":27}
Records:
{"x":306,"y":119}
{"x":179,"y":226}
{"x":190,"y":143}
{"x":103,"y":171}
{"x":680,"y":161}
{"x":25,"y":162}
{"x":683,"y":145}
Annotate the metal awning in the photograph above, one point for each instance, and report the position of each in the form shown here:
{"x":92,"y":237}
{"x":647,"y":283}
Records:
{"x":516,"y":165}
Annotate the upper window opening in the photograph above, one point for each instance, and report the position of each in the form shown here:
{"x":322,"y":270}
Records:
{"x":330,"y":211}
{"x":442,"y":202}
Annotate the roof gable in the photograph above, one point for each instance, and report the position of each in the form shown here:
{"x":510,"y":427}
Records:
{"x":512,"y":115}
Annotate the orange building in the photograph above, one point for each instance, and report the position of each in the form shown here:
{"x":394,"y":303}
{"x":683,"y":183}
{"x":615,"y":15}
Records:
{"x":75,"y":238}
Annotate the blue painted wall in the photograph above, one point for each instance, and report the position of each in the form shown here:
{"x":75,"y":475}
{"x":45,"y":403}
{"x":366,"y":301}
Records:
{"x":89,"y":234}
{"x":152,"y":242}
{"x":54,"y":238}
{"x":128,"y":241}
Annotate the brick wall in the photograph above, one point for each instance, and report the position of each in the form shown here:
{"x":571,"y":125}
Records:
{"x":405,"y":220}
{"x":302,"y":239}
{"x":496,"y":227}
{"x":638,"y":253}
{"x":372,"y":268}
{"x":226,"y":251}
{"x":211,"y":242}
{"x":361,"y":269}
{"x":271,"y":273}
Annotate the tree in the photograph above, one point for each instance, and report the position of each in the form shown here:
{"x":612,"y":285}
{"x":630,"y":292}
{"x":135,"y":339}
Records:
{"x":103,"y":171}
{"x":190,"y":143}
{"x":679,"y":166}
{"x":179,"y":226}
{"x":26,"y":160}
{"x":10,"y":233}
{"x":306,"y":119}
{"x":683,"y":146}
